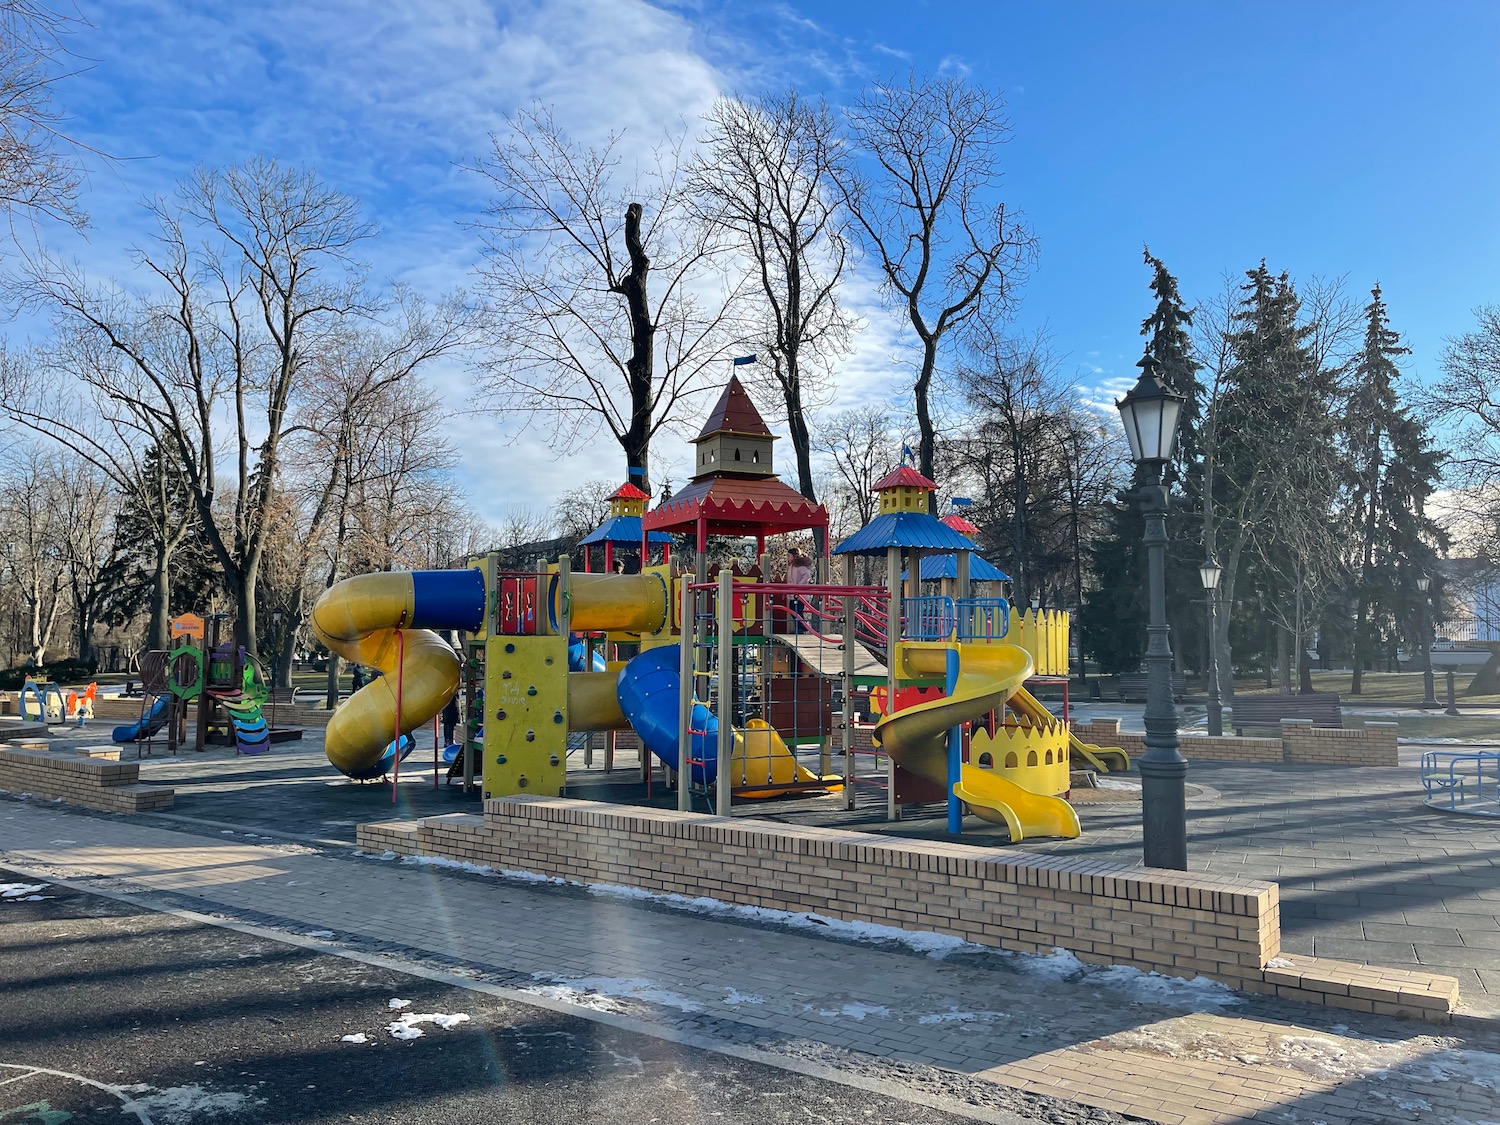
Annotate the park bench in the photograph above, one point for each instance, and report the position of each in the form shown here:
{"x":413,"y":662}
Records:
{"x":1322,"y":708}
{"x":1133,"y":685}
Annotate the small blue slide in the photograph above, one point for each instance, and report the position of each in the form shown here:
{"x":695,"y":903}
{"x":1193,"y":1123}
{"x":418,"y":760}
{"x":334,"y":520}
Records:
{"x":155,"y":719}
{"x":577,"y":648}
{"x":649,"y":695}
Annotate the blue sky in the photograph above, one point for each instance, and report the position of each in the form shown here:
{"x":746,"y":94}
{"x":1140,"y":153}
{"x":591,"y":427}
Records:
{"x":1330,"y":138}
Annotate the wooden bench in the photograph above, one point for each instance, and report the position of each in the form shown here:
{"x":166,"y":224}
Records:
{"x":1134,"y":685}
{"x":1268,"y":710}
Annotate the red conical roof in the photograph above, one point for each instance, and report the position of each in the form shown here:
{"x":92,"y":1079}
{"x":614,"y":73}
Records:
{"x":628,"y":491}
{"x":960,"y":525}
{"x":734,"y":413}
{"x":904,"y":476}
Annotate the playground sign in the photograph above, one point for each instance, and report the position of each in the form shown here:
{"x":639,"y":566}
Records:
{"x":188,"y":625}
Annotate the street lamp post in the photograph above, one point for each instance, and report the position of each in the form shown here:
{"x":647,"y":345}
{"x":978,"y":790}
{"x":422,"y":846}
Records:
{"x":1150,"y":413}
{"x":1211,"y":572}
{"x":1429,"y":689}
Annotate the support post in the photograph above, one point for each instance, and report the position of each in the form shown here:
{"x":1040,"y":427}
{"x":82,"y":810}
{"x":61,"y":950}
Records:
{"x":726,"y":689}
{"x":955,"y":753}
{"x":1163,"y":768}
{"x":846,"y":727}
{"x":685,"y":702}
{"x":892,"y":637}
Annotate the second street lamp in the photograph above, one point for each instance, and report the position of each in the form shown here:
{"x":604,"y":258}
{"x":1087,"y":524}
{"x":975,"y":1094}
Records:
{"x":1150,"y":413}
{"x":1429,"y":689}
{"x":1211,"y":572}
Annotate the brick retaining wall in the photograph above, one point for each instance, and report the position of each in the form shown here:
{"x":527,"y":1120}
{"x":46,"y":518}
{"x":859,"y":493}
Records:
{"x":1374,"y":744}
{"x":95,"y":783}
{"x":1171,"y":922}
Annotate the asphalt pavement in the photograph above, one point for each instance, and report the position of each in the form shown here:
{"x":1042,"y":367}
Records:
{"x":116,"y":1013}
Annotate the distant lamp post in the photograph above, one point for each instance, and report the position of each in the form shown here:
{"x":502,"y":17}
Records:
{"x":1210,"y":571}
{"x":1150,"y":413}
{"x":1429,"y":689}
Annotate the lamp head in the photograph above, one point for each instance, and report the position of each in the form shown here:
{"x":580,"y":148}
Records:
{"x":1150,"y":413}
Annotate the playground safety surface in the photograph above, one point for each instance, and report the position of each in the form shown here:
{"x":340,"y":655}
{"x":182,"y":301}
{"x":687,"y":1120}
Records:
{"x":1364,"y":868}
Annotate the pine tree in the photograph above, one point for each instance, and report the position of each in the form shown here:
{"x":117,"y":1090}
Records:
{"x":1275,"y":467}
{"x":1113,"y":618}
{"x":1391,"y":471}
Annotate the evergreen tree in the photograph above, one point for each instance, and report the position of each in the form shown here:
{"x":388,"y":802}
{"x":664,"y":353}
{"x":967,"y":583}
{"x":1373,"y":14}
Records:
{"x":1113,"y":618}
{"x":1391,"y":470}
{"x":1275,"y":466}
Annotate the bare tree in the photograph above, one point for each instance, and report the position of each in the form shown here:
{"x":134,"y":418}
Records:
{"x":766,"y":178}
{"x":579,"y":510}
{"x":925,"y":209}
{"x":521,"y":526}
{"x":33,"y":548}
{"x":861,"y":446}
{"x":573,"y":242}
{"x":38,"y":174}
{"x":254,"y":270}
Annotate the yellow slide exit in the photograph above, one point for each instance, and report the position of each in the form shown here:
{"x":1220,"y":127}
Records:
{"x":916,"y":738}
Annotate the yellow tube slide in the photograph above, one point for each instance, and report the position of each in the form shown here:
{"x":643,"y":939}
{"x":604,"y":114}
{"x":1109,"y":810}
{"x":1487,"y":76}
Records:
{"x":358,"y":619}
{"x":624,"y":603}
{"x":594,"y":701}
{"x":1102,"y":758}
{"x":917,"y":738}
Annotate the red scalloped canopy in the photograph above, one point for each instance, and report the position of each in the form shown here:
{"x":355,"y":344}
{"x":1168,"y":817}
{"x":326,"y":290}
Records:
{"x":904,"y":476}
{"x":735,"y":506}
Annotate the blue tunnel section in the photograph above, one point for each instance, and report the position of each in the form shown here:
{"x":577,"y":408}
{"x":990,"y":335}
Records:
{"x":649,"y":691}
{"x":447,"y":599}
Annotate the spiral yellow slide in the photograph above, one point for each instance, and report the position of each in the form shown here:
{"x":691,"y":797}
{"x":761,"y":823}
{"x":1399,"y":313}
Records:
{"x":385,"y":621}
{"x":916,"y":738}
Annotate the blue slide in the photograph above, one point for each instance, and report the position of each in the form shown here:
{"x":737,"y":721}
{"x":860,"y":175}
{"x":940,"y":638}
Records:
{"x":577,"y":647}
{"x":648,"y":689}
{"x":155,"y":719}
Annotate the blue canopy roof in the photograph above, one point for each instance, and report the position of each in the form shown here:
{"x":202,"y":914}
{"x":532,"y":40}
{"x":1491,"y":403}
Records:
{"x":904,"y":529}
{"x":938,"y":567}
{"x":621,"y":529}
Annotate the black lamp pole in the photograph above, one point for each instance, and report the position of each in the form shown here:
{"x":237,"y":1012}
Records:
{"x":1150,"y":413}
{"x":1429,"y":689}
{"x":1211,"y":572}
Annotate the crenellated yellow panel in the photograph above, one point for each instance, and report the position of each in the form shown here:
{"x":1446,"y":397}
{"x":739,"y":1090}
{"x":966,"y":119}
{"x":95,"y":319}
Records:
{"x":1035,"y":758}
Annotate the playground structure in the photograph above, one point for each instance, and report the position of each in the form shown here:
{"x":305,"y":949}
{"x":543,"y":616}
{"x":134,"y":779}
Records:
{"x":742,"y":688}
{"x":43,"y":701}
{"x":227,"y":685}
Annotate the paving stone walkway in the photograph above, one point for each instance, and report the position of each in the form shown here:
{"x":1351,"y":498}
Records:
{"x":1119,"y":1041}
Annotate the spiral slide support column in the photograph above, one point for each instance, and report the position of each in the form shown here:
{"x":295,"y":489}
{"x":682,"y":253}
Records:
{"x":359,"y":618}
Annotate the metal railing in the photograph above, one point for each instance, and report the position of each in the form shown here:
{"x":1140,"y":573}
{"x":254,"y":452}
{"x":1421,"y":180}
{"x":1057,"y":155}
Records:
{"x":982,"y":619}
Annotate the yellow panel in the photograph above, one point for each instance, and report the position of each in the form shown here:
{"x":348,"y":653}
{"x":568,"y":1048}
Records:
{"x":525,"y":715}
{"x":1050,"y":779}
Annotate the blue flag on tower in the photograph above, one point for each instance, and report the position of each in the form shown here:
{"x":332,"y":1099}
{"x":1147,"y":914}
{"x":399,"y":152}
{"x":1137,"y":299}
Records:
{"x":908,"y":453}
{"x":960,"y":501}
{"x":740,"y":361}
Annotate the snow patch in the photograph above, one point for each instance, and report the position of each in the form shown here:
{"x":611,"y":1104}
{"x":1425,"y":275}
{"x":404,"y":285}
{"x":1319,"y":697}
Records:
{"x":357,"y":1037}
{"x":856,"y":1012}
{"x":625,"y":988}
{"x":26,"y":892}
{"x":1281,"y":963}
{"x":318,"y":933}
{"x":952,"y":1015}
{"x":1196,"y":993}
{"x":396,"y":1005}
{"x":181,"y":1105}
{"x":737,"y":997}
{"x":406,"y":1027}
{"x":1113,"y":783}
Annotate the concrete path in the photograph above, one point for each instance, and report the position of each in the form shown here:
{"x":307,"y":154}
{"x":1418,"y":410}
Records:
{"x":967,"y":1028}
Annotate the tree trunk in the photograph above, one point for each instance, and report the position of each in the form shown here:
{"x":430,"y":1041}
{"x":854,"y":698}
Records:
{"x":796,"y":422}
{"x":332,"y":697}
{"x":1283,"y":660}
{"x":636,"y":441}
{"x":927,"y":437}
{"x":159,"y":625}
{"x":245,"y":633}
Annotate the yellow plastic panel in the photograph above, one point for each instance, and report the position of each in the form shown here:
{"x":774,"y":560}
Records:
{"x":525,"y":715}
